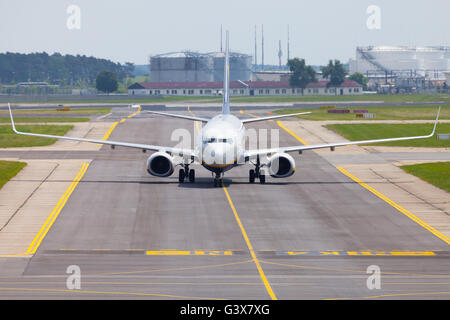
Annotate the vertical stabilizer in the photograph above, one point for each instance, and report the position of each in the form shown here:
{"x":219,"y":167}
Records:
{"x":226,"y":78}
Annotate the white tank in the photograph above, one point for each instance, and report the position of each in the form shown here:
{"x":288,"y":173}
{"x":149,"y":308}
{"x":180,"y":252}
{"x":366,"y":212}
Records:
{"x":436,"y":64}
{"x":402,"y":58}
{"x":447,"y":75}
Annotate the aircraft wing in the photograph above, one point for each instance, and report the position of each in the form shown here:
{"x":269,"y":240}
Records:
{"x":273,"y":117}
{"x":174,"y":151}
{"x":178,"y":116}
{"x":252,"y":153}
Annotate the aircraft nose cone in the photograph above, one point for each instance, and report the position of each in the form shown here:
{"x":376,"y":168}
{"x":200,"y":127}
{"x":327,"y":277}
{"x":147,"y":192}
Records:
{"x":219,"y":154}
{"x":215,"y":155}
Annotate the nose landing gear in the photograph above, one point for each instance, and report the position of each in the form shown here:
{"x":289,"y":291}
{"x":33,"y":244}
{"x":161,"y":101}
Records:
{"x":218,"y":180}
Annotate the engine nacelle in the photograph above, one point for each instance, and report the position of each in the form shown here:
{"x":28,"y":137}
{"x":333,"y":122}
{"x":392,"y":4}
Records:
{"x":160,"y":164}
{"x":281,"y":165}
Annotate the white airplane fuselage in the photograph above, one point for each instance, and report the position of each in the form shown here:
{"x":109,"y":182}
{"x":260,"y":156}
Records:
{"x":221,"y":143}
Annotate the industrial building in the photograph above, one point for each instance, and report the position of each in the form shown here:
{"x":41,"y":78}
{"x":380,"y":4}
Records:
{"x":429,"y":62}
{"x":189,"y":66}
{"x":281,"y":75}
{"x":241,"y":88}
{"x":402,"y":67}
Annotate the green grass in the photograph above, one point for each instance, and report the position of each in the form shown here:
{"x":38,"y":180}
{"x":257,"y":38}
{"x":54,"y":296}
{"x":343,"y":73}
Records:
{"x":42,"y":119}
{"x":364,"y":131}
{"x":381,"y":113}
{"x":9,"y":139}
{"x":437,"y":173}
{"x":376,"y":97}
{"x":8,"y":170}
{"x":74,"y":111}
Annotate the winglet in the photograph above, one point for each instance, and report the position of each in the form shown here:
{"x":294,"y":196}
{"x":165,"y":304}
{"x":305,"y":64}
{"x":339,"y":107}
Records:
{"x":12,"y":119}
{"x":436,"y":122}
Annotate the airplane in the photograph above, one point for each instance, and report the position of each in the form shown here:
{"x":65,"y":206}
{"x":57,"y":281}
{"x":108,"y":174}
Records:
{"x":220,"y":145}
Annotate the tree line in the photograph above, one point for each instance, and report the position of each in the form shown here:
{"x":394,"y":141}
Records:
{"x":302,"y":74}
{"x":78,"y":70}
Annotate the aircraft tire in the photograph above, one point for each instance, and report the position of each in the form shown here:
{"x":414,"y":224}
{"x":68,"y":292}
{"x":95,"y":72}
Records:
{"x":262,"y":178}
{"x":192,"y":175}
{"x":181,"y":175}
{"x":252,"y":176}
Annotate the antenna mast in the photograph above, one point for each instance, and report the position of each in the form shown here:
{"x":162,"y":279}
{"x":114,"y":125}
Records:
{"x":280,"y":53}
{"x":262,"y":47}
{"x":221,"y":49}
{"x":256,"y":51}
{"x":288,"y":50}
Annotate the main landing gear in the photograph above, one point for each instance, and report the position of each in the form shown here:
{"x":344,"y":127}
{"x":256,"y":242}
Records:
{"x":256,"y":173}
{"x":186,"y":173}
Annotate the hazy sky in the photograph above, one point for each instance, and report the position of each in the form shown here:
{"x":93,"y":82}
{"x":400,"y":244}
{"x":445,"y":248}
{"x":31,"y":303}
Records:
{"x":134,"y":29}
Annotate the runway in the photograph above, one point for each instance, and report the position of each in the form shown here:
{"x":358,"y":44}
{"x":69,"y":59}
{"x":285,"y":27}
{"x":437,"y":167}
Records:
{"x":310,"y":236}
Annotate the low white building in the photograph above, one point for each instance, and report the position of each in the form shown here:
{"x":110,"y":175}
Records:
{"x":240,"y":88}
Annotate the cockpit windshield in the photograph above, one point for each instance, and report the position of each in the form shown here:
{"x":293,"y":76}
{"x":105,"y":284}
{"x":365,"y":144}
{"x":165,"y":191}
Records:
{"x":218,"y":140}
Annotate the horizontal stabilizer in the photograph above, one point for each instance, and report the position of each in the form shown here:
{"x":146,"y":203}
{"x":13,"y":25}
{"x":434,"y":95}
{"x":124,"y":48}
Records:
{"x":273,"y":117}
{"x":178,"y":116}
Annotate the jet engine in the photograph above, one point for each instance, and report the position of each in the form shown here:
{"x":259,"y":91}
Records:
{"x":281,"y":165}
{"x":160,"y":164}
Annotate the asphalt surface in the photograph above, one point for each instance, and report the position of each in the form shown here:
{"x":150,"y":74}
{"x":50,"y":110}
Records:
{"x":310,"y":236}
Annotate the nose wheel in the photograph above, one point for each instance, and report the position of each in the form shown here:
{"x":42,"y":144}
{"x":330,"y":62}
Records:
{"x":218,"y":180}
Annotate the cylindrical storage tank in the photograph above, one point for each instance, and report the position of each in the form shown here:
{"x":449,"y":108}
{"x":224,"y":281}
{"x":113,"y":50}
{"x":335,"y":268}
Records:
{"x":447,"y":76}
{"x":429,"y":53}
{"x":240,"y":66}
{"x":181,"y":67}
{"x":447,"y":53}
{"x":436,"y":64}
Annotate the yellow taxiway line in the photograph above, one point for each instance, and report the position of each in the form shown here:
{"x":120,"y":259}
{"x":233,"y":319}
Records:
{"x":131,"y":115}
{"x":396,"y":206}
{"x":250,"y":247}
{"x":291,"y":133}
{"x":52,"y":217}
{"x":197,"y":124}
{"x":189,"y":253}
{"x":379,"y":194}
{"x":247,"y":241}
{"x":281,"y":126}
{"x":108,"y":133}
